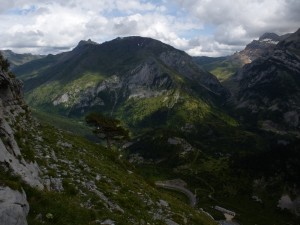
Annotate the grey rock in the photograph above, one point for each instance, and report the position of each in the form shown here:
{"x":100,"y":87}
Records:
{"x":54,"y":184}
{"x":13,"y":207}
{"x":170,"y":222}
{"x":285,"y":202}
{"x":108,"y":222}
{"x":291,"y":118}
{"x":163,"y":203}
{"x":64,"y":144}
{"x":10,"y":153}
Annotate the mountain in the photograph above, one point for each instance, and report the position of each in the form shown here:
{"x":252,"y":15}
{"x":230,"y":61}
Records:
{"x":257,"y":48}
{"x":225,"y":67}
{"x":137,"y":79}
{"x":180,"y":124}
{"x":50,"y":176}
{"x":19,"y":59}
{"x":269,"y":87}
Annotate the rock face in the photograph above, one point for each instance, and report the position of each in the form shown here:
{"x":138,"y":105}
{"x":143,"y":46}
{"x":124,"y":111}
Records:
{"x":269,"y":87}
{"x":11,"y":110}
{"x":13,"y":207}
{"x":225,"y":67}
{"x":257,"y":48}
{"x":13,"y":204}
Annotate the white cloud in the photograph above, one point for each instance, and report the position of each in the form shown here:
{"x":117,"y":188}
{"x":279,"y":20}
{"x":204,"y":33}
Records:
{"x":133,"y":5}
{"x":237,"y":22}
{"x":43,"y":26}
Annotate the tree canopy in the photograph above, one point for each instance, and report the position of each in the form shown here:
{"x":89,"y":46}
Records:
{"x":107,"y":128}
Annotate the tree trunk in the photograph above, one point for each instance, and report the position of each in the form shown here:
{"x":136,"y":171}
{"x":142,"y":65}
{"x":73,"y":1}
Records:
{"x":108,"y":143}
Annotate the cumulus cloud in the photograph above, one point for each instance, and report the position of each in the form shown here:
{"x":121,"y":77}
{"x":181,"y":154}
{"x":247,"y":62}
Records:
{"x":42,"y":26}
{"x":237,"y":22}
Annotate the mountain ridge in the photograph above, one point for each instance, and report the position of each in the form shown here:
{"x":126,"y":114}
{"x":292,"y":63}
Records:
{"x":274,"y":79}
{"x":16,"y":59}
{"x":224,"y":68}
{"x":118,"y":74}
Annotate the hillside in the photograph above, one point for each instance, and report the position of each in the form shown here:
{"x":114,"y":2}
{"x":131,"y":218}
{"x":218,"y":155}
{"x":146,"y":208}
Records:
{"x":50,"y":176}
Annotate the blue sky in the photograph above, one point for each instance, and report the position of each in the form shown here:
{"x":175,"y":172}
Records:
{"x":199,"y":27}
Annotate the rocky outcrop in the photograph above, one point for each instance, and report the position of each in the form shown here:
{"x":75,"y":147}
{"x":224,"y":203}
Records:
{"x":185,"y":65}
{"x":13,"y":207}
{"x":258,"y":48}
{"x":11,"y":109}
{"x":271,"y":85}
{"x":285,"y":202}
{"x":13,"y":204}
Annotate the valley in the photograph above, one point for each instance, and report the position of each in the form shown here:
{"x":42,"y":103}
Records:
{"x":228,"y":137}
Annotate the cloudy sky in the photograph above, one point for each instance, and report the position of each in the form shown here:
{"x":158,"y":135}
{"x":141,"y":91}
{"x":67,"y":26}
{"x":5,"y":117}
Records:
{"x":200,"y":27}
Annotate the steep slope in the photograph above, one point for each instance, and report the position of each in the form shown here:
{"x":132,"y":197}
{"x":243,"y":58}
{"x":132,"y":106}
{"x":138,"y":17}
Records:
{"x":269,"y":87}
{"x":257,"y":48}
{"x":16,"y":59}
{"x":140,"y":76}
{"x":64,"y":179}
{"x":13,"y":116}
{"x":225,"y":67}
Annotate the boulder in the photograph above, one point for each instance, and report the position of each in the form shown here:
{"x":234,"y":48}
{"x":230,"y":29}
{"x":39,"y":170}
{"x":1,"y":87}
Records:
{"x":13,"y":207}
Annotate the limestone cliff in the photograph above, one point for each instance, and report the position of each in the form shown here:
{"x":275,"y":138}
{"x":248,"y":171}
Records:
{"x":13,"y":114}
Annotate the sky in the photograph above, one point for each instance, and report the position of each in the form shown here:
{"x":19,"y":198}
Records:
{"x":199,"y":27}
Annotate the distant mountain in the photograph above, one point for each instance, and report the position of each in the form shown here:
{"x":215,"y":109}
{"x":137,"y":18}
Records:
{"x":136,"y":78}
{"x":257,"y":48}
{"x":269,"y":87}
{"x":16,"y":59}
{"x":225,"y":67}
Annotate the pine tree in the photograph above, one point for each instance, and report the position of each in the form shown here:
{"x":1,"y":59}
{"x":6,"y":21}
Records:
{"x":107,"y":128}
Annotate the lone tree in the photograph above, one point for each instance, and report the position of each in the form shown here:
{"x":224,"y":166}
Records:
{"x":4,"y":64}
{"x":107,"y":128}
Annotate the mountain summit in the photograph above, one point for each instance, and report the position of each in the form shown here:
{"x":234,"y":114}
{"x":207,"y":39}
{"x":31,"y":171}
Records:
{"x":117,"y":75}
{"x":271,"y":86}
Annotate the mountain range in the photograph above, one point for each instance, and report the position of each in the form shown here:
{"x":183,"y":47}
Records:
{"x":16,"y":59}
{"x":232,"y":133}
{"x":225,"y":67}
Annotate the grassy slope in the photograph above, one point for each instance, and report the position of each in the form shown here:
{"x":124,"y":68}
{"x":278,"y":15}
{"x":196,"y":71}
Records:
{"x":49,"y":92}
{"x":80,"y":164}
{"x":222,"y":67}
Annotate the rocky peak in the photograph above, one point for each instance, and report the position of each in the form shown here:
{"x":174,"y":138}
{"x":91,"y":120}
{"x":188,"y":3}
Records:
{"x":271,"y":84}
{"x":269,"y":37}
{"x":138,"y":45}
{"x":292,"y":42}
{"x":261,"y":47}
{"x":85,"y":43}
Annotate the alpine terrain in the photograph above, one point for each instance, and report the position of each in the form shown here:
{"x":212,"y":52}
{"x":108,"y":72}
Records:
{"x":203,"y":147}
{"x":50,"y":176}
